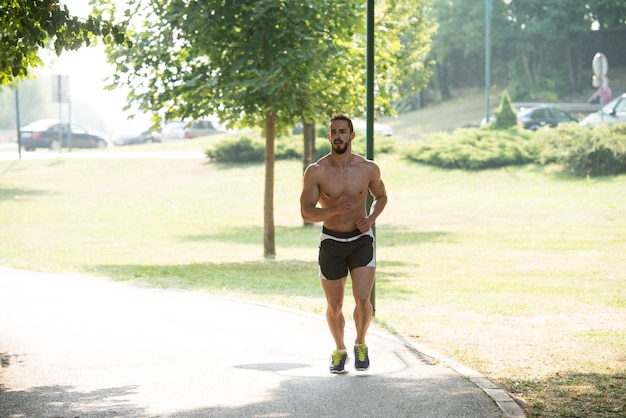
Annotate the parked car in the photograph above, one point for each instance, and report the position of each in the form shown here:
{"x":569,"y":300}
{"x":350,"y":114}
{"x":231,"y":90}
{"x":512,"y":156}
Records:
{"x":52,"y":134}
{"x":379,"y":128}
{"x":612,"y":112}
{"x":137,"y":135}
{"x":189,"y":129}
{"x":537,"y":117}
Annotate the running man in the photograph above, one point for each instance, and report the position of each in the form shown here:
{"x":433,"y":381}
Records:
{"x":334,"y":193}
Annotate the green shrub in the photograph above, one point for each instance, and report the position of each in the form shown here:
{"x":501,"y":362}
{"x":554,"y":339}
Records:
{"x":288,"y":147}
{"x":382,"y":145}
{"x":474,"y":149}
{"x":582,"y":151}
{"x":506,"y":116}
{"x":243,"y":150}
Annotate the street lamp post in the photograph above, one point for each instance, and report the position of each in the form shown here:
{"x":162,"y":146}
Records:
{"x":488,"y":8}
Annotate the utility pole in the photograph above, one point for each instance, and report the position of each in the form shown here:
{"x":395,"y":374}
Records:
{"x":369,"y":111}
{"x":17,"y":117}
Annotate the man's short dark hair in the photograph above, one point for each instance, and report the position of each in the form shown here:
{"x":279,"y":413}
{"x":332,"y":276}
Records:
{"x":341,"y":116}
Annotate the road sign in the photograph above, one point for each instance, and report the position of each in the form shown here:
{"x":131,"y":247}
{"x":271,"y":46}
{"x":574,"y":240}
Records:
{"x":600,"y":65}
{"x":60,"y":88}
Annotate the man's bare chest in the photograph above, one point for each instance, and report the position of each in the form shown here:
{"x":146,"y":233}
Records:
{"x":344,"y":185}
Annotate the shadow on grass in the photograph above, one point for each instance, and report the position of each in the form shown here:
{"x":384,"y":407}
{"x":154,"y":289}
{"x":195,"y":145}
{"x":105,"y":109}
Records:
{"x":252,"y":235}
{"x":258,"y":278}
{"x":309,"y":235}
{"x":253,"y":277}
{"x":16,"y":194}
{"x":266,"y":277}
{"x":572,"y":394}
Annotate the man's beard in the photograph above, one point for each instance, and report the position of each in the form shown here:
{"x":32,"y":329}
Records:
{"x":339,"y":150}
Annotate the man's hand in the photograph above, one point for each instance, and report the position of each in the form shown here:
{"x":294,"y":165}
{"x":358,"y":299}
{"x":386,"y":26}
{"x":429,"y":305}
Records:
{"x":344,"y":205}
{"x":363,"y":225}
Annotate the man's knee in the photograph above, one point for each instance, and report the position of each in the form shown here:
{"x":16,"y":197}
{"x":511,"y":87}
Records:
{"x":335,"y":308}
{"x":362,"y":301}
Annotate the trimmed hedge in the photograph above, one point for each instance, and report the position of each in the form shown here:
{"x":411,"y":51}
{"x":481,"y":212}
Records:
{"x":243,"y":150}
{"x":246,"y":150}
{"x":474,"y":149}
{"x":599,"y":151}
{"x":581,"y":151}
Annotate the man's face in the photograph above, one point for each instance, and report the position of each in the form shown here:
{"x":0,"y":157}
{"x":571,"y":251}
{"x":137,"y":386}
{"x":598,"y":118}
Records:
{"x":340,"y":136}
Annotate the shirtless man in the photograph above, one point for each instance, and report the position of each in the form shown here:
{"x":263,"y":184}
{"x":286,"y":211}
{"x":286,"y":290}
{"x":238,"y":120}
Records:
{"x":339,"y":182}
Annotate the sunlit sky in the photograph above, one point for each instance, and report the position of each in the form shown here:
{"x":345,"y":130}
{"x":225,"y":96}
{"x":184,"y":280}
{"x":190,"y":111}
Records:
{"x":87,"y":70}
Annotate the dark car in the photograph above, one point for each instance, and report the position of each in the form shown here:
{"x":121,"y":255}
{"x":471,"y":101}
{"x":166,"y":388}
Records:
{"x":537,"y":117}
{"x":52,"y":134}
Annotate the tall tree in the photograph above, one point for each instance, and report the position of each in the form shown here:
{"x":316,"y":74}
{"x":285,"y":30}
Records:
{"x":538,"y":46}
{"x":252,"y":63}
{"x":26,"y":26}
{"x":402,"y":44}
{"x":402,"y":41}
{"x":457,"y":44}
{"x":255,"y":63}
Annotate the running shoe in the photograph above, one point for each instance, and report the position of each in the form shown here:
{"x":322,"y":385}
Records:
{"x":361,"y":359}
{"x":338,"y":361}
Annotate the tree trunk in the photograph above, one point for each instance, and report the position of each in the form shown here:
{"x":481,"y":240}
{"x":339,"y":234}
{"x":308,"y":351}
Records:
{"x":308,"y":155}
{"x":443,"y":79}
{"x":269,"y":245}
{"x":308,"y":135}
{"x":527,"y":69}
{"x":571,"y":73}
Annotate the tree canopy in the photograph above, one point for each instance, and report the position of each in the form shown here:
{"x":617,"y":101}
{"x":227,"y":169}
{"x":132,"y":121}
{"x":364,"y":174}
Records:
{"x":263,"y":62}
{"x":540,"y":49}
{"x":193,"y":58}
{"x":27,"y":26}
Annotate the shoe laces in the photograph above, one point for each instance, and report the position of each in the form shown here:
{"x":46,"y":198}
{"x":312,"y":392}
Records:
{"x":361,"y":351}
{"x":337,"y":356}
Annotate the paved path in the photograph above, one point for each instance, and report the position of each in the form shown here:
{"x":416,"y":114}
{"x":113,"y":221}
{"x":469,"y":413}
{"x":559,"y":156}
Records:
{"x":79,"y":346}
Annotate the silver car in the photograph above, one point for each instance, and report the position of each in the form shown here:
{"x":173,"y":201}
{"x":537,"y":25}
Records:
{"x":188,"y":130}
{"x":612,"y":112}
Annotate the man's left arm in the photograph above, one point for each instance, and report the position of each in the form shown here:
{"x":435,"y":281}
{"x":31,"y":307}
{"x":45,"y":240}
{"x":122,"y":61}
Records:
{"x":379,"y":194}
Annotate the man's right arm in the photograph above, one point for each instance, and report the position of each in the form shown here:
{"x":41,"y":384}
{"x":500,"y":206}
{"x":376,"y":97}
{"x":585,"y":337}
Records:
{"x":309,"y":198}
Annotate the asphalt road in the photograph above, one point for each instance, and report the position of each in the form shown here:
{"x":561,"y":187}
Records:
{"x":80,"y":346}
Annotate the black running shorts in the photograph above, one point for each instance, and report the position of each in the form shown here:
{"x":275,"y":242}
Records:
{"x":341,"y":252}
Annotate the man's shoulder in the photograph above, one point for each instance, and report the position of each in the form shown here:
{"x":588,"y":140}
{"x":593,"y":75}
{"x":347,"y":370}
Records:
{"x":322,"y":162}
{"x":326,"y":162}
{"x":364,"y":162}
{"x":316,"y":167}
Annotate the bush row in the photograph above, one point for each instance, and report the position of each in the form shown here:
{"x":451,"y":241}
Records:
{"x":600,"y":151}
{"x":473,"y":149}
{"x":581,"y":151}
{"x":578,"y":150}
{"x":246,"y":150}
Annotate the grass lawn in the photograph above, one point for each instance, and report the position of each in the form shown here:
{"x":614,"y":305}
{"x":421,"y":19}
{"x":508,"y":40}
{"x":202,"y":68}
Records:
{"x":515,"y":272}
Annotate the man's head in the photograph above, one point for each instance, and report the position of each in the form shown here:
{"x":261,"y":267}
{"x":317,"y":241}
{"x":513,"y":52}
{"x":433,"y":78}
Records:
{"x":340,"y":133}
{"x":341,"y":116}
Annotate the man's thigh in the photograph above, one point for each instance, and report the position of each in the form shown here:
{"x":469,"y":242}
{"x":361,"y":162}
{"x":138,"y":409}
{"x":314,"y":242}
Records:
{"x":334,"y":290}
{"x":362,"y":281}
